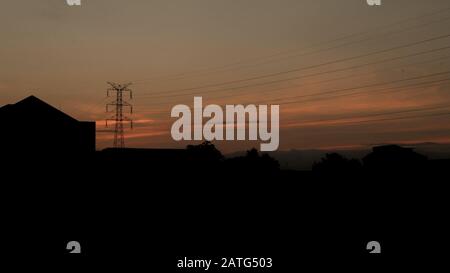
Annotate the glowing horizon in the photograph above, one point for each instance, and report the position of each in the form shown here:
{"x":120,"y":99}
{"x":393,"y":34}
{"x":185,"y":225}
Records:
{"x":338,"y":83}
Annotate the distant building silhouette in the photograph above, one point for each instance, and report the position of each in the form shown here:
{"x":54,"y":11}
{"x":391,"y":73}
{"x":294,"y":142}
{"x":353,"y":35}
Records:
{"x":32,"y":127}
{"x":394,"y":158}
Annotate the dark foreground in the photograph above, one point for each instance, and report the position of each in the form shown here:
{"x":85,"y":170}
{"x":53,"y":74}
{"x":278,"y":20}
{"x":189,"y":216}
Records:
{"x":133,"y":214}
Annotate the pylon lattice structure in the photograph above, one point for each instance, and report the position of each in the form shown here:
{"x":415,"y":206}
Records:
{"x":119,"y":118}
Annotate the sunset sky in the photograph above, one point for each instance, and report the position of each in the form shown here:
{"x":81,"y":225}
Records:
{"x":345,"y":75}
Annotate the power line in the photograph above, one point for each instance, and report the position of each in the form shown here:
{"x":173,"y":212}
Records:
{"x":308,"y":67}
{"x":429,"y":108}
{"x":345,"y":95}
{"x":289,"y":57}
{"x":307,"y":75}
{"x":383,"y":90}
{"x":348,"y":89}
{"x":346,"y":121}
{"x":387,"y":119}
{"x":440,"y":59}
{"x":371,"y":31}
{"x":359,"y":87}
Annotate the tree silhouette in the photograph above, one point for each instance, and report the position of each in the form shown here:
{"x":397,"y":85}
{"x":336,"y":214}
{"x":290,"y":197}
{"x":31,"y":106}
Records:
{"x":254,"y":162}
{"x":206,"y":151}
{"x":334,"y":163}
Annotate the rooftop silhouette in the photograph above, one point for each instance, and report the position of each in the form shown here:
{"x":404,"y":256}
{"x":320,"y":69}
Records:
{"x":32,"y":125}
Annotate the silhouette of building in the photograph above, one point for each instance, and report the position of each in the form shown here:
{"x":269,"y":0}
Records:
{"x":392,"y":158}
{"x":33,"y":127}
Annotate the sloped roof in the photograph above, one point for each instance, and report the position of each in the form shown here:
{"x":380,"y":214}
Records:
{"x":34,"y":107}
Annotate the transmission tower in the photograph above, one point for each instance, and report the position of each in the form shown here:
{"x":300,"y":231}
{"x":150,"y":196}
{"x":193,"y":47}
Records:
{"x":118,"y":117}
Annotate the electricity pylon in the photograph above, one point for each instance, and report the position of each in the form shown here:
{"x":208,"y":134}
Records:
{"x":118,"y":117}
